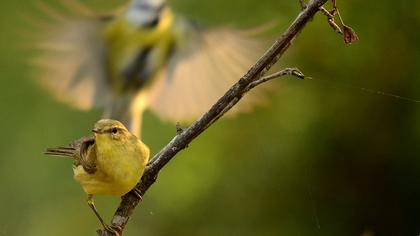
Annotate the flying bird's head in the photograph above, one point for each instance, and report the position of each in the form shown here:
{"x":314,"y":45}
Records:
{"x":145,"y":13}
{"x":110,"y":130}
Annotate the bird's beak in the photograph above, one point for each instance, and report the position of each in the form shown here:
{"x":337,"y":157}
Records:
{"x":96,"y":131}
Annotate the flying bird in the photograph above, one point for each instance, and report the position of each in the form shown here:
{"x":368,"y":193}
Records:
{"x":142,"y":56}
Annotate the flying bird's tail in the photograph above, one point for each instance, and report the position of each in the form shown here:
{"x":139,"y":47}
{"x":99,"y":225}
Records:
{"x":128,"y":109}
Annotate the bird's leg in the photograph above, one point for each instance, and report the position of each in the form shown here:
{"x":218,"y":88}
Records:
{"x":111,"y":228}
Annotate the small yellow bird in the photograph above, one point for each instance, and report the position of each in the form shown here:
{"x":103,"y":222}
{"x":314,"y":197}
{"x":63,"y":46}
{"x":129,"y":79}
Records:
{"x":109,"y":163}
{"x":142,"y":56}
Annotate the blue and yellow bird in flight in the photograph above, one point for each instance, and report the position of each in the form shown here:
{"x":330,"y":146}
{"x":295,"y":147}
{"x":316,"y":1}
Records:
{"x":142,"y":56}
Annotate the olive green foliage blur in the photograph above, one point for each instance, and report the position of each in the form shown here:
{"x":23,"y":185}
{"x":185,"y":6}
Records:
{"x":323,"y":158}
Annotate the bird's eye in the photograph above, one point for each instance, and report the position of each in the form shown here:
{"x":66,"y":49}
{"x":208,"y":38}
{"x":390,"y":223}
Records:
{"x":114,"y":130}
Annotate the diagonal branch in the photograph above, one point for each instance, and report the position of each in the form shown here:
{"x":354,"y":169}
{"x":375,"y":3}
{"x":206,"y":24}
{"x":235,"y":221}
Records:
{"x":251,"y":79}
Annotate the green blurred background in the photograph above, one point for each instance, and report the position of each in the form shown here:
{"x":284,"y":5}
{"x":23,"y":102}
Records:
{"x":324,"y":158}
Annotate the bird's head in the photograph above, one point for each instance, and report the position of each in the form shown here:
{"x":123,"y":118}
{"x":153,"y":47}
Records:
{"x":107,"y":129}
{"x":146,"y":13}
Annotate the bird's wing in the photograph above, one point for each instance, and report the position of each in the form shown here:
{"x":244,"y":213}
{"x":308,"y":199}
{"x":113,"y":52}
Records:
{"x":81,"y":151}
{"x":69,"y":57}
{"x":87,"y":154}
{"x":204,"y":65}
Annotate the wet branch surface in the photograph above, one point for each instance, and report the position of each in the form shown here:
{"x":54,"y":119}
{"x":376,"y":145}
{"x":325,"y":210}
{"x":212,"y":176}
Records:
{"x":253,"y":78}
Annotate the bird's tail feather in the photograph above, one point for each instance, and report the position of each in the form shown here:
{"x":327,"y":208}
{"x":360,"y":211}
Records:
{"x":61,"y":151}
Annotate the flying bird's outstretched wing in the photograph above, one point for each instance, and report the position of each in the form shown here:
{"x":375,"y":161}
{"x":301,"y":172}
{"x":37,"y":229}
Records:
{"x":205,"y":63}
{"x":70,"y":59}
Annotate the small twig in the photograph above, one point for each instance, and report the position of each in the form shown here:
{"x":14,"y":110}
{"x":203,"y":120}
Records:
{"x":327,"y":13}
{"x":330,"y":19}
{"x":349,"y":35}
{"x":339,"y":17}
{"x":179,"y":129}
{"x":334,"y":2}
{"x":302,"y":4}
{"x":288,"y":71}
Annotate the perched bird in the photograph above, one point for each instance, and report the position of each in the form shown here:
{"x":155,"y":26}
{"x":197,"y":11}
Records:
{"x":142,"y":56}
{"x":109,"y":163}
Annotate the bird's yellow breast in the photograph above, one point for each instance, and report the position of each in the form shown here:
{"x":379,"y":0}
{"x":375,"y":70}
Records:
{"x":120,"y":164}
